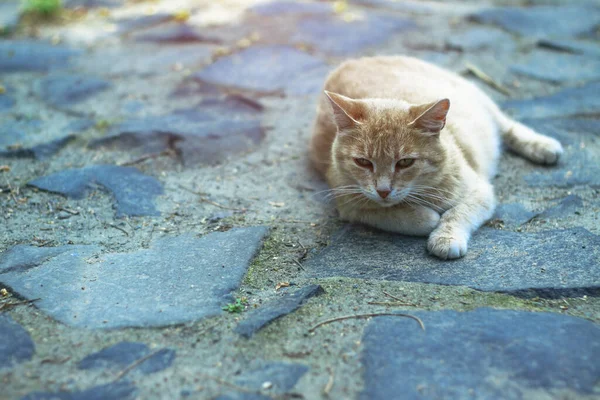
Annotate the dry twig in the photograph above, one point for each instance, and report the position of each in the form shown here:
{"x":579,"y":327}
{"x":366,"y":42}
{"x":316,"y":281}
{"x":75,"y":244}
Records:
{"x":9,"y":305}
{"x":486,"y":78}
{"x":168,"y":152}
{"x":135,"y":364}
{"x":119,"y":228}
{"x":367,"y":316}
{"x":329,"y":384}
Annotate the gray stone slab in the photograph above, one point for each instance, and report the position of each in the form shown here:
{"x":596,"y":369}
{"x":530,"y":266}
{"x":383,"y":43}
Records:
{"x":16,"y":345}
{"x":269,"y":312}
{"x":565,"y":208}
{"x":6,"y":102}
{"x":207,"y":133}
{"x":480,"y":38}
{"x":291,"y":7}
{"x":513,"y":214}
{"x":559,"y":68}
{"x":134,"y":192}
{"x":122,"y":390}
{"x":576,"y":167}
{"x":64,"y":90}
{"x":93,"y":3}
{"x":282,"y":376}
{"x":411,"y":7}
{"x":589,"y":48}
{"x":29,"y":55}
{"x":178,"y":279}
{"x":175,"y":33}
{"x":543,"y":21}
{"x":481,"y":354}
{"x":576,"y":101}
{"x":123,"y":354}
{"x":268,"y":69}
{"x":41,"y":151}
{"x":131,"y":24}
{"x":333,"y":35}
{"x":545,"y":264}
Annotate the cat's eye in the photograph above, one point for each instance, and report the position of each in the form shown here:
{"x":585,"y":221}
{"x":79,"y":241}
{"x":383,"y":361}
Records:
{"x":363,"y":162}
{"x":405,"y":163}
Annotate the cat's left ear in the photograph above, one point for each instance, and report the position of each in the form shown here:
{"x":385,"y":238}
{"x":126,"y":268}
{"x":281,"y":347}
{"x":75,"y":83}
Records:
{"x":430,"y":117}
{"x":347,"y":112}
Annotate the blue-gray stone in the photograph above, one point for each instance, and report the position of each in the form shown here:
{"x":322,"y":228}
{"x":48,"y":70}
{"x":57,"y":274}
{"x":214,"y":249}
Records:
{"x":575,"y":169}
{"x":16,"y":345}
{"x":268,"y":69}
{"x":283,"y":305}
{"x":174,"y":33}
{"x":546,"y":264}
{"x":333,"y":35}
{"x":480,"y":38}
{"x":15,"y":129}
{"x":122,"y":390}
{"x":178,"y":279}
{"x":65,"y":90}
{"x":10,"y":13}
{"x":565,"y":208}
{"x":401,"y":6}
{"x":283,"y":376}
{"x":291,"y":7}
{"x":134,"y":192}
{"x":207,"y":133}
{"x":124,"y":354}
{"x":558,"y":68}
{"x":513,"y":214}
{"x":130,"y":24}
{"x":543,"y":21}
{"x":589,"y":48}
{"x":40,"y":151}
{"x":6,"y":102}
{"x":26,"y":55}
{"x":576,"y":101}
{"x":481,"y":354}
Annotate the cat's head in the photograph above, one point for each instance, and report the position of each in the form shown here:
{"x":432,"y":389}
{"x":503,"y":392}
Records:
{"x":388,"y":148}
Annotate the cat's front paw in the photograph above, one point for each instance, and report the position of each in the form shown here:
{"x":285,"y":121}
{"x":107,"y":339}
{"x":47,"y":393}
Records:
{"x":546,"y":151}
{"x":447,"y":245}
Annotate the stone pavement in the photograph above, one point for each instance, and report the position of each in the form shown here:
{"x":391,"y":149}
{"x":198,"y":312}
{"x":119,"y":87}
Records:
{"x":163,"y":234}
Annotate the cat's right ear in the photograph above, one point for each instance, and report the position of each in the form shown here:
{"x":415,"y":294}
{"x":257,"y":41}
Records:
{"x":347,"y":112}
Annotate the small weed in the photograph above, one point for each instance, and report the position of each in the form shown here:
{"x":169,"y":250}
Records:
{"x":237,"y":307}
{"x":44,"y":8}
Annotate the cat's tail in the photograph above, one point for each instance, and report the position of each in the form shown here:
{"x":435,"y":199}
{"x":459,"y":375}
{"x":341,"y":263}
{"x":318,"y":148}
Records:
{"x":525,"y":141}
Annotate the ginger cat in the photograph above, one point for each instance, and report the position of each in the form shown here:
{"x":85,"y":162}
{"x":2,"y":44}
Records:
{"x":408,"y":147}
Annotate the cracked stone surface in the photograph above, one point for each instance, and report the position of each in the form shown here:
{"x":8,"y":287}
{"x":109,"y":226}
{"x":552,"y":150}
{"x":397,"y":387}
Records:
{"x":544,"y":21}
{"x":123,"y":354}
{"x":162,"y":285}
{"x":268,"y":69}
{"x":166,"y":143}
{"x":67,"y":90}
{"x":133,"y":191}
{"x":474,"y":354}
{"x":546,"y":263}
{"x":286,"y":304}
{"x":25,"y":55}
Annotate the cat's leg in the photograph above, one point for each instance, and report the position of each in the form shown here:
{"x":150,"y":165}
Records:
{"x":528,"y":143}
{"x":406,"y":220}
{"x":451,"y":237}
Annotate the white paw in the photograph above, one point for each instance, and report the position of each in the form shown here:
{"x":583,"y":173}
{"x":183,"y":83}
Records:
{"x":447,"y":246}
{"x":546,"y":151}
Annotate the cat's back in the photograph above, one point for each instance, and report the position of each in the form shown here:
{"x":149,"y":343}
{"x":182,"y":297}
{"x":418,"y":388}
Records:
{"x":401,"y":77}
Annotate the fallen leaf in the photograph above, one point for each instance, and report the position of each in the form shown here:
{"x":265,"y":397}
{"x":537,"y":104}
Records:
{"x":277,"y":203}
{"x":281,"y":284}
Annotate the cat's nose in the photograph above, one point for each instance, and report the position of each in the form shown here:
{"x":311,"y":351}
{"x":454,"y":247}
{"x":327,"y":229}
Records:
{"x":384,"y":193}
